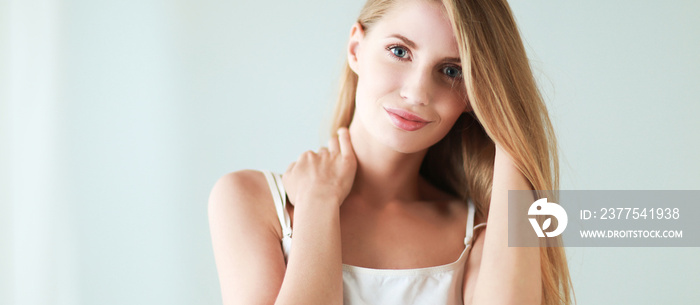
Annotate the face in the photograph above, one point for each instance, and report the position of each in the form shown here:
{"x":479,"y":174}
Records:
{"x":410,"y":88}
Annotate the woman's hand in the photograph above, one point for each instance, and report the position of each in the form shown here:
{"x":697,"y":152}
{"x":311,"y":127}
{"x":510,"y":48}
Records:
{"x":323,"y":176}
{"x":317,"y":184}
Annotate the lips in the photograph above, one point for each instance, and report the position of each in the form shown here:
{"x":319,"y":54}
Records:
{"x":406,"y":120}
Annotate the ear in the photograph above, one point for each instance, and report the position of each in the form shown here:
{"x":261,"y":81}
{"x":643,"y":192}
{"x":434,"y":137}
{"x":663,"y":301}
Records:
{"x":357,"y":34}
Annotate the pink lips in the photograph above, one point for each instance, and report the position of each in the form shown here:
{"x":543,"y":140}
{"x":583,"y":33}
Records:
{"x":406,"y":120}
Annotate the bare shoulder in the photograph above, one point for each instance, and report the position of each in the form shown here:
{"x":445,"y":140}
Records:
{"x":246,"y":238}
{"x":243,"y":197}
{"x":477,"y":247}
{"x":473,"y":264}
{"x":243,"y":182}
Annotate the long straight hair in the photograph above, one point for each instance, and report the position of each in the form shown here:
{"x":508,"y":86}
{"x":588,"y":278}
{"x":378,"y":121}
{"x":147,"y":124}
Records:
{"x":507,"y":108}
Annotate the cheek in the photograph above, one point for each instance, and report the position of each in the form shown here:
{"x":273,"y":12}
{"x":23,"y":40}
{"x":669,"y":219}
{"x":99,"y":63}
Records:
{"x":450,"y":111}
{"x":378,"y":78}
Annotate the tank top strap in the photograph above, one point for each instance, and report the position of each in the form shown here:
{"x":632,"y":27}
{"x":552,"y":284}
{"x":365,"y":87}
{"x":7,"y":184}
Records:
{"x":471,"y":228}
{"x":470,"y":222}
{"x":279,"y":195}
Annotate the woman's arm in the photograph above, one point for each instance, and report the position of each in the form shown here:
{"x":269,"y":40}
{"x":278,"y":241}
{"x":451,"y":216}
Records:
{"x":246,"y":240}
{"x":314,"y":269}
{"x":507,"y":275}
{"x":317,"y":184}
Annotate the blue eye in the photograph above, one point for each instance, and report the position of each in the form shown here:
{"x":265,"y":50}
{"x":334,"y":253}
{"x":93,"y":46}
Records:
{"x":399,"y":52}
{"x":452,"y":72}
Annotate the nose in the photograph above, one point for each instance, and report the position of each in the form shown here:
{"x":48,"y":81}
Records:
{"x":416,"y":87}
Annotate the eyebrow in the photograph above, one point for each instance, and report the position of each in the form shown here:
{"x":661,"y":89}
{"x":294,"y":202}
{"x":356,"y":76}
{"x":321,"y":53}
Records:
{"x":413,"y":45}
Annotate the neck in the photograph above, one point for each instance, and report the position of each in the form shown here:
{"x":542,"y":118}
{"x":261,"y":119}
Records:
{"x":384,"y":175}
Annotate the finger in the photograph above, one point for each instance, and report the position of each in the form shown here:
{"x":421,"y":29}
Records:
{"x":345,"y":144}
{"x":307,"y":155}
{"x":323,"y":151}
{"x":333,"y":146}
{"x":290,"y":167}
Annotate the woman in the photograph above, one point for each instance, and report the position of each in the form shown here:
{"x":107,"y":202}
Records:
{"x":438,"y":117}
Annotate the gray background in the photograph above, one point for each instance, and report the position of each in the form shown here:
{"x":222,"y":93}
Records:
{"x":117,"y":117}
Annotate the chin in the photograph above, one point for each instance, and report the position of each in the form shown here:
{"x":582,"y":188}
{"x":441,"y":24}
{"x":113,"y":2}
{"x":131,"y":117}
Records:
{"x":403,"y":141}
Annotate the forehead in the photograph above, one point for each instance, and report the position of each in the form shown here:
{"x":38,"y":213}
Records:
{"x":424,"y":22}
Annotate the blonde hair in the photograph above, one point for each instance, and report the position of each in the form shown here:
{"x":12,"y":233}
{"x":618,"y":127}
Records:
{"x":507,"y":107}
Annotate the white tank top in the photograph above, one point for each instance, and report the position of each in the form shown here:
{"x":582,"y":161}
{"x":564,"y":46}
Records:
{"x":367,"y":286}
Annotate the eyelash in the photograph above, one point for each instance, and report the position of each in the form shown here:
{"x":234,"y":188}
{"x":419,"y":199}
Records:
{"x":393,"y":56}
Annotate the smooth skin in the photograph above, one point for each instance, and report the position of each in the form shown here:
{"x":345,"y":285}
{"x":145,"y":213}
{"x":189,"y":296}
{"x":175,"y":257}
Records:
{"x":361,"y":200}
